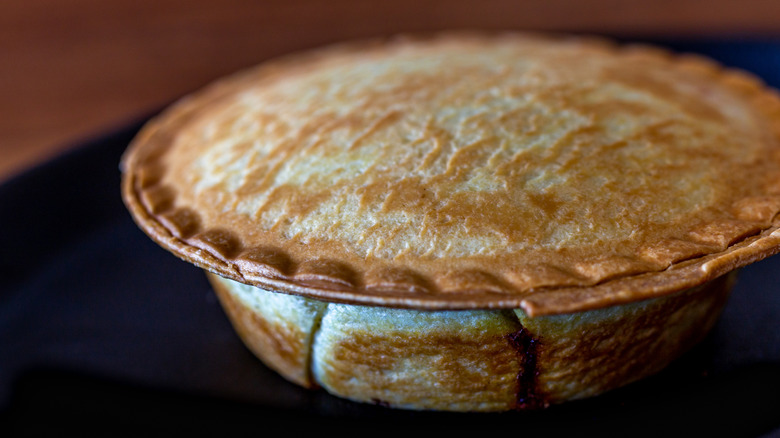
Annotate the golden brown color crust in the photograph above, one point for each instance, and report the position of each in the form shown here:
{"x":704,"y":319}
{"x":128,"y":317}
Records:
{"x":467,"y":171}
{"x":460,"y":372}
{"x":473,"y":360}
{"x":586,"y":354}
{"x":283,"y":345}
{"x":458,"y":361}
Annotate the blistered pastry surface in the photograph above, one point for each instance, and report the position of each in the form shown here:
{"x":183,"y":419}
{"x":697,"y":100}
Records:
{"x":462,"y":169}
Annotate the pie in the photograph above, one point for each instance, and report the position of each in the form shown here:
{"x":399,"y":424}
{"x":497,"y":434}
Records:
{"x":467,"y":221}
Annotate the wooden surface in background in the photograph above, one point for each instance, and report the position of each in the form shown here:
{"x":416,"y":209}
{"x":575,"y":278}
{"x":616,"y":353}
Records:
{"x":73,"y":69}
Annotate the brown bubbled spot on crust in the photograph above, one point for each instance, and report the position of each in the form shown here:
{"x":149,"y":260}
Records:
{"x":381,"y":403}
{"x":527,"y":348}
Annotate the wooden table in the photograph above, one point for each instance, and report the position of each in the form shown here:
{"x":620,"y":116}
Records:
{"x":73,"y":69}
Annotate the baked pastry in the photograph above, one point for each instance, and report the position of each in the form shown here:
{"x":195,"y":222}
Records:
{"x":467,"y":221}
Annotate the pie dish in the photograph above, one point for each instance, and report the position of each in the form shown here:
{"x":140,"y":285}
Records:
{"x":467,"y":221}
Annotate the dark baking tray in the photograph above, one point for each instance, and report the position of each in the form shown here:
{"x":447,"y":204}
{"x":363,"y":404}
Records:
{"x":98,"y":325}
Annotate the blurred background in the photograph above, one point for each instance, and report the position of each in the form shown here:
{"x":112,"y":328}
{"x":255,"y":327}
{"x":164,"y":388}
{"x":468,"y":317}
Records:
{"x":71,"y":70}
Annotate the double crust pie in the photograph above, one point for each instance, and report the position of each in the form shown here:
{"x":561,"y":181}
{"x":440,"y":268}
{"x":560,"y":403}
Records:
{"x":467,"y":221}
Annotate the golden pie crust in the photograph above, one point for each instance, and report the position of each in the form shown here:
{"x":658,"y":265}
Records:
{"x":467,"y":360}
{"x":467,"y":171}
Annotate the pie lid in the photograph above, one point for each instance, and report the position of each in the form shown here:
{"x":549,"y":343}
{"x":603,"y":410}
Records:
{"x":467,"y":170}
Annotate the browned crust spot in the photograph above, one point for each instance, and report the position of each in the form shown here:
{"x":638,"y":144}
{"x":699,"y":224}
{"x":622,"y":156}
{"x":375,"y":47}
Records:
{"x":278,"y":345}
{"x":528,"y":349}
{"x":364,"y":357}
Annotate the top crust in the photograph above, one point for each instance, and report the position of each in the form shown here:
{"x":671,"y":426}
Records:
{"x":461,"y":171}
